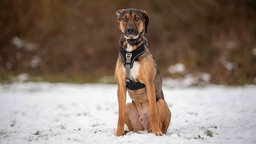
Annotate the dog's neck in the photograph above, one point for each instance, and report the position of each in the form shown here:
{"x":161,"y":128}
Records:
{"x":129,"y":47}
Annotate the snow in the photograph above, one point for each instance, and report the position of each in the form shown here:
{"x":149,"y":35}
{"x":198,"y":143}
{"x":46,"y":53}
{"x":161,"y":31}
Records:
{"x":35,"y":61}
{"x":28,"y":46}
{"x":17,"y":42}
{"x":61,"y":113}
{"x":228,"y":65}
{"x":177,"y":68}
{"x":184,"y":78}
{"x":201,"y":78}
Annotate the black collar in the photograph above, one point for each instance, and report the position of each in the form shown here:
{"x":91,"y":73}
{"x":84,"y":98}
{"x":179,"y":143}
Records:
{"x":130,"y":57}
{"x":133,"y":42}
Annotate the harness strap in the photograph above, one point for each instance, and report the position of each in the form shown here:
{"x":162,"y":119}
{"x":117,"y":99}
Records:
{"x":128,"y":59}
{"x":134,"y":85}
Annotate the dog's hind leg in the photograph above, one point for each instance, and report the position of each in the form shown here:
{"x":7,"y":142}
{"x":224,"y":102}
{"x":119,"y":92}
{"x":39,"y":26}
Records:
{"x":164,"y":115}
{"x":132,"y":118}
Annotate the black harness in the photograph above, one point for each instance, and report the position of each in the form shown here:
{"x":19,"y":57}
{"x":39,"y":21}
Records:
{"x":128,"y":59}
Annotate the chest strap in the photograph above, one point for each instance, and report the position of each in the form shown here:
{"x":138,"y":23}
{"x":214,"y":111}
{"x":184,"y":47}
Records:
{"x":128,"y":59}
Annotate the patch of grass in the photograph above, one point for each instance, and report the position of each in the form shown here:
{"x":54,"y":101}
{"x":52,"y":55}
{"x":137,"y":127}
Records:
{"x":60,"y":78}
{"x":209,"y":133}
{"x":6,"y":78}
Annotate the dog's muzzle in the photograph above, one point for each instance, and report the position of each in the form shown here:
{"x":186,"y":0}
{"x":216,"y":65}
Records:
{"x":131,"y":31}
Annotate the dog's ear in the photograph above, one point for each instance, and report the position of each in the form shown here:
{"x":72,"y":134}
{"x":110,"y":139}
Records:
{"x":145,"y":15}
{"x":118,"y":14}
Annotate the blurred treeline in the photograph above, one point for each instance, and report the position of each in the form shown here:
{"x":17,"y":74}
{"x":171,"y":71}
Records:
{"x":77,"y":40}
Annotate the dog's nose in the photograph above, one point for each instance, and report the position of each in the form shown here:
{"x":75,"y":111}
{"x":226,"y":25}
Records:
{"x":131,"y":30}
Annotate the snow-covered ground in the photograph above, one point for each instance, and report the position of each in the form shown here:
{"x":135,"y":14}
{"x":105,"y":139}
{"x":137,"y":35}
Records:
{"x":75,"y":113}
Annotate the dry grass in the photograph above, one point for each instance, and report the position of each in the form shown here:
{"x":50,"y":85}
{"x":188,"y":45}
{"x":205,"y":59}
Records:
{"x":79,"y":38}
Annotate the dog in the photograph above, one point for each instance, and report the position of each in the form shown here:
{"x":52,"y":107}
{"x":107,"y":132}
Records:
{"x":137,"y":73}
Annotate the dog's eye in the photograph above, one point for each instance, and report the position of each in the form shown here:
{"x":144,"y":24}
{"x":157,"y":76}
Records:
{"x":124,"y":19}
{"x":137,"y":18}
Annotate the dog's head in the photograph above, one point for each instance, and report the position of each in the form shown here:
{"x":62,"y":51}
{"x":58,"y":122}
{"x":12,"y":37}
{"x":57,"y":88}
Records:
{"x":132,"y":22}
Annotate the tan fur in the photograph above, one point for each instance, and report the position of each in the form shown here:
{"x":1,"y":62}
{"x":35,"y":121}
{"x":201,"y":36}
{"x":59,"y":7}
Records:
{"x":131,"y":19}
{"x":144,"y":113}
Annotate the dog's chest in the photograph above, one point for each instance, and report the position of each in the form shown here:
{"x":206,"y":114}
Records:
{"x":134,"y":71}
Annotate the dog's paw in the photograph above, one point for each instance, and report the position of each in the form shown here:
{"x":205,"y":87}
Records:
{"x":120,"y":133}
{"x":158,"y":133}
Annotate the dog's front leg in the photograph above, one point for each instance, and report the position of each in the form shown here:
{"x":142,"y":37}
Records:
{"x":154,"y":121}
{"x":121,"y":95}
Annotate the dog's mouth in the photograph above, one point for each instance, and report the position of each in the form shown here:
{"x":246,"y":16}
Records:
{"x":131,"y":36}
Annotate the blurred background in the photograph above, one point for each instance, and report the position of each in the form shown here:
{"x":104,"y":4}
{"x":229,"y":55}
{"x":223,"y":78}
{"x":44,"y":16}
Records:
{"x":201,"y":41}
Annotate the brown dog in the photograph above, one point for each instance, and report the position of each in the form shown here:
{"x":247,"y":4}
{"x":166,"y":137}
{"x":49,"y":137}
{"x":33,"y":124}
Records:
{"x":137,"y":72}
